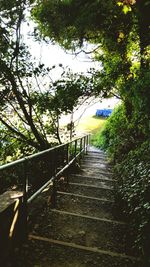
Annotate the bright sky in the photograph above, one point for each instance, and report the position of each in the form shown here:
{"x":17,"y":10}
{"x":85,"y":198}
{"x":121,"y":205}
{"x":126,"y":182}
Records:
{"x":51,"y":54}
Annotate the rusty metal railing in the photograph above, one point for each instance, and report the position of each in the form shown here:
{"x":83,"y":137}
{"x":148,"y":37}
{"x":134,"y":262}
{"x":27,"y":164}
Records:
{"x":34,"y":173}
{"x":27,"y":178}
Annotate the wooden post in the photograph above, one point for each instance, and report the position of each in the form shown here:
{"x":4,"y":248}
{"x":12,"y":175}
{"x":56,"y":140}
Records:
{"x":11,"y":224}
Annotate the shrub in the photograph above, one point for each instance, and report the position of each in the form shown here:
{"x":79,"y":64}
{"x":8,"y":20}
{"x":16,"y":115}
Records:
{"x":134,"y":188}
{"x":116,"y":137}
{"x":129,"y":147}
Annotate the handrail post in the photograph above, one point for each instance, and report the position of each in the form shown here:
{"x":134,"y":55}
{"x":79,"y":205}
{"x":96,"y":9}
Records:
{"x":25,"y":197}
{"x":80,"y":148}
{"x":84,"y":144}
{"x":54,"y":189}
{"x":67,"y":154}
{"x":87,"y":142}
{"x":70,"y":150}
{"x":67,"y":161}
{"x":78,"y":143}
{"x":75,"y":148}
{"x":89,"y":136}
{"x":54,"y":194}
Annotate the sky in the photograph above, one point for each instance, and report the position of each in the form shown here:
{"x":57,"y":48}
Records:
{"x":52,"y":54}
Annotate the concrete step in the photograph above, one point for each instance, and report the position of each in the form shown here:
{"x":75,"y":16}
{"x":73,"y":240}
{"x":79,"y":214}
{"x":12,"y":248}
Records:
{"x":93,"y":160}
{"x":85,"y":205}
{"x":95,"y":172}
{"x":82,"y":230}
{"x":45,"y":252}
{"x":95,"y":155}
{"x":99,"y":166}
{"x":99,"y":175}
{"x":87,"y":190}
{"x":102,"y":182}
{"x":93,"y":149}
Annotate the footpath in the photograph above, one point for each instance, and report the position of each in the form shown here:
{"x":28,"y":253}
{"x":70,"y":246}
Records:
{"x":83,"y":230}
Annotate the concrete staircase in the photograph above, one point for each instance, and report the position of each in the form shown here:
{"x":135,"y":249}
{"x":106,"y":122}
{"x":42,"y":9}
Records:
{"x":84,"y":230}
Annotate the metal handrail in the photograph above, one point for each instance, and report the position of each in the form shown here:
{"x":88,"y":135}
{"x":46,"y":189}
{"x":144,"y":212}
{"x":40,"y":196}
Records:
{"x":84,"y":140}
{"x":11,"y":164}
{"x":48,"y":165}
{"x":53,"y":178}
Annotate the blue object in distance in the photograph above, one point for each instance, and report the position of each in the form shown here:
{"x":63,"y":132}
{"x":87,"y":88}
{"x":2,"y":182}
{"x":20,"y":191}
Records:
{"x":103,"y":112}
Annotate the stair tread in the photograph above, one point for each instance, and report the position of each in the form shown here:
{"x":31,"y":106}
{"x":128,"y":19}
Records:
{"x":84,"y":196}
{"x":100,"y":177}
{"x":84,"y":205}
{"x":87,"y":190}
{"x":91,"y":181}
{"x":97,"y":181}
{"x":93,"y":171}
{"x":91,"y":186}
{"x":56,"y":254}
{"x":82,"y":230}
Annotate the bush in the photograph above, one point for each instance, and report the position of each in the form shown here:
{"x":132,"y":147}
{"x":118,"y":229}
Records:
{"x":116,"y":137}
{"x":134,"y":188}
{"x":129,"y":148}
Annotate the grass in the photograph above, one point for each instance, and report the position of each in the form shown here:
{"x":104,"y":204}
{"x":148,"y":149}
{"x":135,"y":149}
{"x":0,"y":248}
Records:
{"x":93,"y":125}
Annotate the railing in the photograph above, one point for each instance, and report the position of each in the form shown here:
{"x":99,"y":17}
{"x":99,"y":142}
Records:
{"x":31,"y":175}
{"x":34,"y":173}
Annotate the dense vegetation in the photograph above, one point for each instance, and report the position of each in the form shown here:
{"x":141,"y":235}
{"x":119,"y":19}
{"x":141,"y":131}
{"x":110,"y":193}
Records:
{"x":131,"y":157}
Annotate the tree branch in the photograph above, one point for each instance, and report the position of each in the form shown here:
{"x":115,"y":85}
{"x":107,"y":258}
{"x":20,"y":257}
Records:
{"x":29,"y":141}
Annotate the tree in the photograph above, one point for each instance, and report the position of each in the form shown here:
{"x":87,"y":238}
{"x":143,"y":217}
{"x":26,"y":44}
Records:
{"x":30,"y":102}
{"x":15,"y":68}
{"x":120,"y":31}
{"x":45,"y":101}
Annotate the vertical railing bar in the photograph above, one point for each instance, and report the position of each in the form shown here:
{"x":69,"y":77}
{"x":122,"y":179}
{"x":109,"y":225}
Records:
{"x":67,"y":161}
{"x":83,"y":141}
{"x":54,"y":194}
{"x":70,"y":151}
{"x":87,"y":142}
{"x":25,"y":197}
{"x":54,"y":189}
{"x":75,"y":148}
{"x":84,"y":145}
{"x":67,"y":153}
{"x":80,"y":150}
{"x":89,"y":136}
{"x":25,"y":179}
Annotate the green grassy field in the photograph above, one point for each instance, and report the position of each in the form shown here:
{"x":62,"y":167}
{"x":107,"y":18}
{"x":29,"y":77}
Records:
{"x":90,"y":124}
